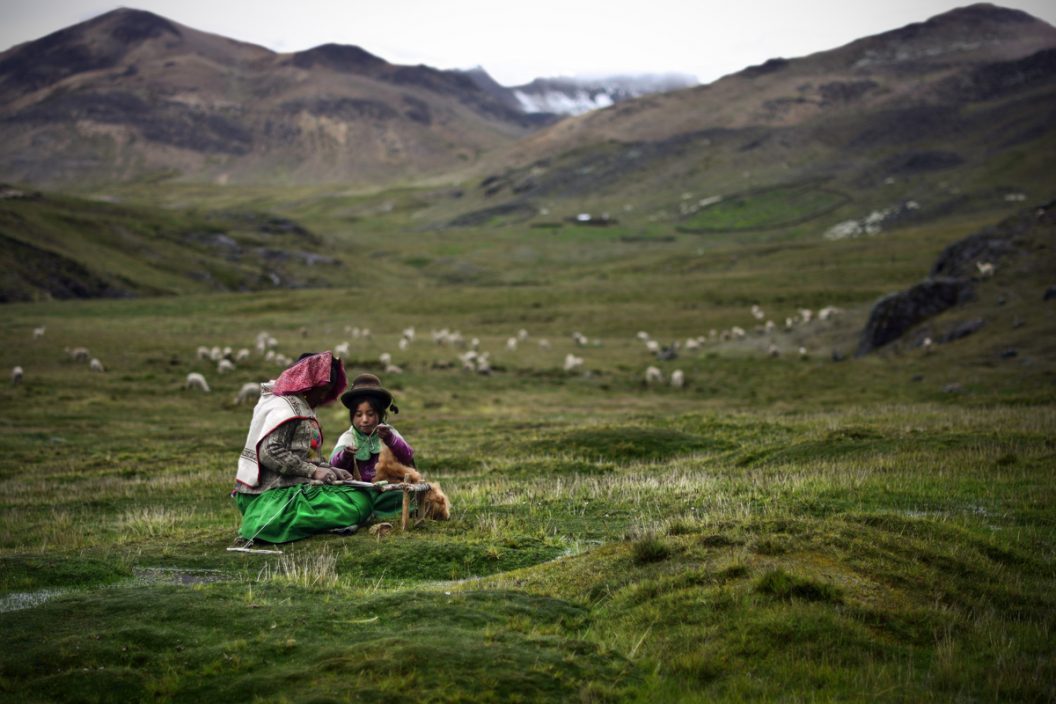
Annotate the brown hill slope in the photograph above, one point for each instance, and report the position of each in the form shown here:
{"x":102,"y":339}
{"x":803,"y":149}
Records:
{"x":969,"y":90}
{"x":130,"y":94}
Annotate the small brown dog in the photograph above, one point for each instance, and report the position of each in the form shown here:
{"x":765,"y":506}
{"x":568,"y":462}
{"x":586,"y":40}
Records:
{"x":434,"y":503}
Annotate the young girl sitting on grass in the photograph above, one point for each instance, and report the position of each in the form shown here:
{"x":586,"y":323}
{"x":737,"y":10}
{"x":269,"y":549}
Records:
{"x":372,"y":451}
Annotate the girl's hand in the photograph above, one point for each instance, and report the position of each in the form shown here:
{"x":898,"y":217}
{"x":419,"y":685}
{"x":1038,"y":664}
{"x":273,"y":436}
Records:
{"x":385,"y":433}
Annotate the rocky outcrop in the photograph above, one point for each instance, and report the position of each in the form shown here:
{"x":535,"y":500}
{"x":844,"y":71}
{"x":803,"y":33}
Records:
{"x":896,"y":313}
{"x":951,"y":281}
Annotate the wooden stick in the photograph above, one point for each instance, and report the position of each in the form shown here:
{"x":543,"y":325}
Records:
{"x":405,"y":513}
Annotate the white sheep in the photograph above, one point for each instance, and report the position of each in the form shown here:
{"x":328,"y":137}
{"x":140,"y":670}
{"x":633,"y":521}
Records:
{"x":803,"y":352}
{"x":79,"y":354}
{"x":385,"y":358}
{"x":511,"y":344}
{"x":773,"y":350}
{"x":986,"y":269}
{"x":403,"y":343}
{"x":242,"y":355}
{"x":572,"y":362}
{"x":580,"y":339}
{"x":483,"y":364}
{"x":224,"y":366}
{"x":393,"y":369}
{"x":341,"y":350}
{"x":544,"y":344}
{"x":828,"y":312}
{"x":216,"y":354}
{"x":16,"y":376}
{"x":96,"y":366}
{"x":196,"y":381}
{"x":653,"y":376}
{"x":38,"y":332}
{"x":408,"y":334}
{"x":522,"y":334}
{"x":642,"y":335}
{"x":653,"y":346}
{"x":927,"y":344}
{"x":250,"y":390}
{"x":757,"y":312}
{"x":678,"y":379}
{"x":692,"y":343}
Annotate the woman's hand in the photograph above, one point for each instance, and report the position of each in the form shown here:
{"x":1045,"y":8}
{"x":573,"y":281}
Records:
{"x":323,"y":474}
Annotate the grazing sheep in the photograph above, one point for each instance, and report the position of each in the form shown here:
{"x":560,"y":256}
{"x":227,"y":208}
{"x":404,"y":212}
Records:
{"x":986,"y":269}
{"x":642,"y":335}
{"x":580,"y":339}
{"x":79,"y":354}
{"x":196,"y":381}
{"x":402,"y":344}
{"x":216,"y":354}
{"x":483,"y":364}
{"x":511,"y":344}
{"x":341,"y":350}
{"x":738,"y":332}
{"x":544,"y":344}
{"x":38,"y":332}
{"x":927,"y":345}
{"x":828,"y":312}
{"x":16,"y":376}
{"x":572,"y":362}
{"x":653,"y":346}
{"x":773,"y":350}
{"x":757,"y":312}
{"x":96,"y":366}
{"x":678,"y":379}
{"x":250,"y":390}
{"x":385,"y":358}
{"x":803,"y":353}
{"x":522,"y":334}
{"x":224,"y":366}
{"x":653,"y":376}
{"x":408,"y":334}
{"x":692,"y":343}
{"x":242,"y":355}
{"x":393,"y":369}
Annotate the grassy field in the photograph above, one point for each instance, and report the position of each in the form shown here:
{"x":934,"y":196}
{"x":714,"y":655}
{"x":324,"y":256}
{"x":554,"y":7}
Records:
{"x":783,"y":528}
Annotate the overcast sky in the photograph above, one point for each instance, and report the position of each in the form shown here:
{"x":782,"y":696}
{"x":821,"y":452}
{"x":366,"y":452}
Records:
{"x":518,"y":41}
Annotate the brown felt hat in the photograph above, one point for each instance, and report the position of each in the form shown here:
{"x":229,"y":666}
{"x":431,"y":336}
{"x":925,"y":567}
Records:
{"x":367,"y":385}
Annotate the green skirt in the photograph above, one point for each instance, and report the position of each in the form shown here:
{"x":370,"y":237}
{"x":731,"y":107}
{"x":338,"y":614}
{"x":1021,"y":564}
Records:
{"x":295,"y":512}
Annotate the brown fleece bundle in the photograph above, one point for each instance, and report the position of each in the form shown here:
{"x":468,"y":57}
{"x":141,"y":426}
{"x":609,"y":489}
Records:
{"x":434,"y":503}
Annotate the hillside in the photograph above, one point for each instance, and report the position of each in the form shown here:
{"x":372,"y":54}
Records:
{"x":956,"y":109}
{"x":61,"y":247}
{"x":130,"y":94}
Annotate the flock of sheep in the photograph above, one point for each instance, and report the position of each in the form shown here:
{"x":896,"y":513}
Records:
{"x":470,"y":356}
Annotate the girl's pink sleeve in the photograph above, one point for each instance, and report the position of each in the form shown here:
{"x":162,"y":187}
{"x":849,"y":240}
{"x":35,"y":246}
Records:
{"x":404,"y":452}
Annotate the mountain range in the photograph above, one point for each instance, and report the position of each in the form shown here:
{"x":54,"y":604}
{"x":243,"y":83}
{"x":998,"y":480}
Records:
{"x":129,"y":96}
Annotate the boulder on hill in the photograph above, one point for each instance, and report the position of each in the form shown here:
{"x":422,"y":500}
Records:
{"x":896,"y":313}
{"x":951,"y":281}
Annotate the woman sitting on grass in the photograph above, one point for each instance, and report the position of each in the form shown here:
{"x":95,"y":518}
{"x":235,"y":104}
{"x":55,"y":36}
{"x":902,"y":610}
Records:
{"x":283,"y":455}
